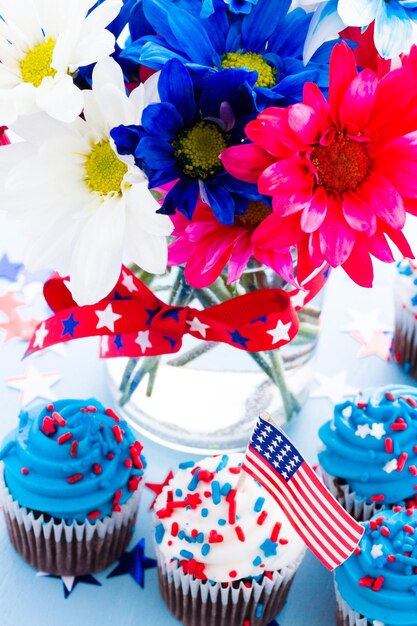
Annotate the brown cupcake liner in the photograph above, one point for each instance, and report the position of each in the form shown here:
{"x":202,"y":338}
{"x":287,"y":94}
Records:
{"x":197,"y":603}
{"x":355,"y":505}
{"x":346,"y":616}
{"x":404,"y":345}
{"x":68,"y":549}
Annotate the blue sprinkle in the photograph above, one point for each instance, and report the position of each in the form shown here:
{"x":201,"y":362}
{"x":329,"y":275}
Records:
{"x":269,"y":548}
{"x":186,"y":464}
{"x":259,"y":611}
{"x":159,"y":533}
{"x":193,"y":483}
{"x":257,"y":561}
{"x":186,"y":554}
{"x":215,"y":489}
{"x":181,"y":534}
{"x":222,"y":522}
{"x":205,"y":549}
{"x":200,"y":538}
{"x":223,"y":463}
{"x":258,"y":505}
{"x":204,"y":512}
{"x":407,"y":367}
{"x":227,"y":487}
{"x":178,"y":492}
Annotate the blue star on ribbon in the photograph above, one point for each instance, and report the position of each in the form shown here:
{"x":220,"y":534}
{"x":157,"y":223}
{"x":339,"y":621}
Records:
{"x":326,"y":272}
{"x":118,"y":342}
{"x":174,"y":313}
{"x":134,"y":563}
{"x":171,"y":341}
{"x":238,"y":338}
{"x":118,"y":296}
{"x":69,"y":325}
{"x":263,"y":319}
{"x":151,"y":314}
{"x":69,"y":583}
{"x":9,"y":270}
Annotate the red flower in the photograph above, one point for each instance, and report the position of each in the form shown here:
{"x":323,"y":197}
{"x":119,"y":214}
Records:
{"x":343,"y":171}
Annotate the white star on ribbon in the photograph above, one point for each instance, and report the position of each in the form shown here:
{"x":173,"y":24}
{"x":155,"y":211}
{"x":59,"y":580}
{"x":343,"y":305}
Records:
{"x":34,"y":385}
{"x":280,"y":332}
{"x":40,"y":335}
{"x":128,"y":282}
{"x":107,"y":318}
{"x":105,"y":344}
{"x":198,"y":327}
{"x":143,"y":340}
{"x":299,"y":298}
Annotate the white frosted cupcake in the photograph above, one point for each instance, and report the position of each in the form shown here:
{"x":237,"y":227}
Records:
{"x":226,"y":553}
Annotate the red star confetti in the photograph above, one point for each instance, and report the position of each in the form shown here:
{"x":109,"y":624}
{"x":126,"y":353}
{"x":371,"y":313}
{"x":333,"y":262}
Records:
{"x":379,"y":345}
{"x":157,"y":487}
{"x":34,"y":385}
{"x":15,"y":326}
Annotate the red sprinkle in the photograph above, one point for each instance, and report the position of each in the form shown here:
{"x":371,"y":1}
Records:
{"x":283,"y":542}
{"x":411,"y":402}
{"x":25,"y":471}
{"x":366,"y":581}
{"x":378,"y":498}
{"x":133,"y":483}
{"x":408,"y":529}
{"x":391,"y":558}
{"x":402,"y":459}
{"x":398,"y":425}
{"x":50,"y":407}
{"x":230,"y":498}
{"x":97,"y":469}
{"x":389,"y":396}
{"x":135,"y":454}
{"x":74,"y":448}
{"x":117,"y":433}
{"x":117,"y":496}
{"x":397,"y":508}
{"x":240,"y":534}
{"x":233,"y":573}
{"x":275,"y":532}
{"x":110,"y":456}
{"x":378,"y":583}
{"x":117,"y":508}
{"x":214,"y":537}
{"x":362,"y":405}
{"x":415,"y":448}
{"x":128,"y":463}
{"x":357,"y":550}
{"x":75,"y":478}
{"x":64,"y":438}
{"x":112,"y":414}
{"x":384,"y":530}
{"x":48,"y":426}
{"x":413,"y":469}
{"x":91,"y":408}
{"x":388,"y":445}
{"x":262,"y":518}
{"x":194,"y":533}
{"x":205,"y":476}
{"x":94,"y":514}
{"x":175,"y":529}
{"x":59,"y":419}
{"x":235,"y":470}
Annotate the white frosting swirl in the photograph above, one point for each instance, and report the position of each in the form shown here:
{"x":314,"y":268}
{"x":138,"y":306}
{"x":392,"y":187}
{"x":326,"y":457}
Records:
{"x":248,"y":547}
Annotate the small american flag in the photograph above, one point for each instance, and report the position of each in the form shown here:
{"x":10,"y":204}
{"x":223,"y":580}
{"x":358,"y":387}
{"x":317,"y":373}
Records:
{"x":324,"y":525}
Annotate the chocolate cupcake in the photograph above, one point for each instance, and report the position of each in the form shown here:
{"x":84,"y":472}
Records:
{"x":71,"y":486}
{"x":226,"y":553}
{"x":404,"y":346}
{"x":377,"y":585}
{"x":370,"y":457}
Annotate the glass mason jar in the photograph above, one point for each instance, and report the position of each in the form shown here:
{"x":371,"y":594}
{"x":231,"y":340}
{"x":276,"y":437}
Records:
{"x":207,"y":396}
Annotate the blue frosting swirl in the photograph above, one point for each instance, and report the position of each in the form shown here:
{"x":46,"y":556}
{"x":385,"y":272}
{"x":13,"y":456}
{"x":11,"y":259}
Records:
{"x":380,"y":582}
{"x":358,"y":445}
{"x":73,"y":461}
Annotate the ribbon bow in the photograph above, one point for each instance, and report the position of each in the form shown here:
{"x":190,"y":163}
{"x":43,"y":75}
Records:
{"x":134,"y":322}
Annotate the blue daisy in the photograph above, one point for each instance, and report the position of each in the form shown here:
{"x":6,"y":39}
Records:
{"x":268,"y":40}
{"x":181,"y":138}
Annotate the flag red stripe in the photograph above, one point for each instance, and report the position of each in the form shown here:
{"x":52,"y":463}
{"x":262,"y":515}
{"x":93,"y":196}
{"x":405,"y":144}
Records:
{"x":313,"y":513}
{"x":320,"y":549}
{"x":330,"y":563}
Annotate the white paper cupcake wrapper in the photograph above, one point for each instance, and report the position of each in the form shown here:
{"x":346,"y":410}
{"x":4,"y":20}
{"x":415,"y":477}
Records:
{"x":349,"y":617}
{"x":68,"y":549}
{"x":192,"y":597}
{"x":355,"y":505}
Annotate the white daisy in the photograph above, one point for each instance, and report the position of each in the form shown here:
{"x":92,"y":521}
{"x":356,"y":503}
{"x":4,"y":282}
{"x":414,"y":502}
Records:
{"x":42,"y":45}
{"x":81,"y":204}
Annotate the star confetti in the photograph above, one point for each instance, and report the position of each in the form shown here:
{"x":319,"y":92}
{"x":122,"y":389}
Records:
{"x":379,"y":345}
{"x":365,"y":323}
{"x":9,"y":270}
{"x":34,"y":384}
{"x":134,"y":563}
{"x":69,"y":583}
{"x":157,"y":487}
{"x":14,"y":325}
{"x":335,"y":388}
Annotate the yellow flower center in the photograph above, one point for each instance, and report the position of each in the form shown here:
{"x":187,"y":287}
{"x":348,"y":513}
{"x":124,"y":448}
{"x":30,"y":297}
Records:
{"x":267,"y":75}
{"x":254,"y":215}
{"x":197,"y":150}
{"x":104,"y":170}
{"x":37,"y":63}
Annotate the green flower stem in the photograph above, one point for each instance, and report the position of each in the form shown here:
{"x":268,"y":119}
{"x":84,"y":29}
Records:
{"x":290,"y":403}
{"x":192,"y":354}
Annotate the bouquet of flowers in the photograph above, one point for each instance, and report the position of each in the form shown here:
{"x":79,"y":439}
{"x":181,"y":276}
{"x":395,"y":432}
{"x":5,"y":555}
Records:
{"x":247,"y":145}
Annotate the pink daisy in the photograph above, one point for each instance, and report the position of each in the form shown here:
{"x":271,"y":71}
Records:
{"x":344,"y":172}
{"x":206,"y":246}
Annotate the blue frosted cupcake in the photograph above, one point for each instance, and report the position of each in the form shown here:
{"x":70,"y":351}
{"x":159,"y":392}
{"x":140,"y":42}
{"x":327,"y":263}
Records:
{"x":404,"y":346}
{"x":72,"y":478}
{"x":377,"y":585}
{"x":370,"y":457}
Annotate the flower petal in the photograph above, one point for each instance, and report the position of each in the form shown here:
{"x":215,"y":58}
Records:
{"x":286,"y":176}
{"x":246,"y":161}
{"x":305,"y":122}
{"x":342,"y":72}
{"x":358,"y":102}
{"x":359,"y":264}
{"x":313,"y":215}
{"x":336,"y":236}
{"x":276,"y":233}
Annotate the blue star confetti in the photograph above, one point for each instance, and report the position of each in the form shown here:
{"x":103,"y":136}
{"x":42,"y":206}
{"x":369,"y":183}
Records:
{"x":134,"y":563}
{"x":69,"y":583}
{"x":9,"y":270}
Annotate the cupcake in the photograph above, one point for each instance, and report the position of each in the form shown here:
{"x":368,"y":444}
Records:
{"x":70,"y":487}
{"x":404,"y":346}
{"x":377,"y":585}
{"x":226,"y":553}
{"x":370,"y":457}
